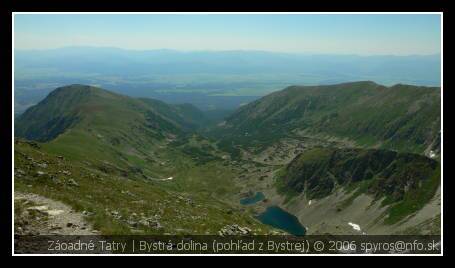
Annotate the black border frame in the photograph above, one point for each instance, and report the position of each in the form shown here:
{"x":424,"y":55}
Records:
{"x":189,"y":6}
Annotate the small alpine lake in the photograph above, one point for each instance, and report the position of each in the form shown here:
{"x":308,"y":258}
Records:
{"x":259,"y":196}
{"x":281,"y":219}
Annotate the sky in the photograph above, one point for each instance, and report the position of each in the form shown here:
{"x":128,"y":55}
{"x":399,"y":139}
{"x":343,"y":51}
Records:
{"x":360,"y":34}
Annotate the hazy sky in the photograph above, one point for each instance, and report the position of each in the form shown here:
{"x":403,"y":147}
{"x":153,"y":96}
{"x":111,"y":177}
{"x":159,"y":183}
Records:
{"x":308,"y":33}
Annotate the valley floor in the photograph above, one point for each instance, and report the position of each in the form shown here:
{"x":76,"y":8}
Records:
{"x":197,"y":199}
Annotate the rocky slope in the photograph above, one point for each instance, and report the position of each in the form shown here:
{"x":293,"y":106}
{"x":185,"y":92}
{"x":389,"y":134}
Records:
{"x":404,"y":181}
{"x":38,"y":215}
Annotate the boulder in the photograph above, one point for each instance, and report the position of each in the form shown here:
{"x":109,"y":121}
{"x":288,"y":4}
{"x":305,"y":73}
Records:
{"x":40,"y":209}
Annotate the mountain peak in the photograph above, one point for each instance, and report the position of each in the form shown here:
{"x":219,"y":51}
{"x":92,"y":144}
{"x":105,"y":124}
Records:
{"x":76,"y":89}
{"x":77,"y":94}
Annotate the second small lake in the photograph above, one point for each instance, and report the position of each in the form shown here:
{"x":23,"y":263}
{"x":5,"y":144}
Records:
{"x":281,"y":219}
{"x":259,"y":196}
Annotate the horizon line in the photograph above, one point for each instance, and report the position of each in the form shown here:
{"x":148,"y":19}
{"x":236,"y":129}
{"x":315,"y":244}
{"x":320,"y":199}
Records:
{"x":225,"y":50}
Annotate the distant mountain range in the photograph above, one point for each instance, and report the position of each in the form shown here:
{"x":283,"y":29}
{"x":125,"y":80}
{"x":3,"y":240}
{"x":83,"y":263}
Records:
{"x":210,"y":80}
{"x":92,"y":61}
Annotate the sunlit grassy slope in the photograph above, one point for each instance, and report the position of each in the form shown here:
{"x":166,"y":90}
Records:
{"x":112,"y":201}
{"x":402,"y":117}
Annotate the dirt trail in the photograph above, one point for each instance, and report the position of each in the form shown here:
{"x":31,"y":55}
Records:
{"x":58,"y":218}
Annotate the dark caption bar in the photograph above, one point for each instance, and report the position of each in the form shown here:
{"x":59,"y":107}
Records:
{"x":204,"y":244}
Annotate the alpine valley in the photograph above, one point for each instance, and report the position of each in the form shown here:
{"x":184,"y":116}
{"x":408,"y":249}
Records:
{"x":350,"y":158}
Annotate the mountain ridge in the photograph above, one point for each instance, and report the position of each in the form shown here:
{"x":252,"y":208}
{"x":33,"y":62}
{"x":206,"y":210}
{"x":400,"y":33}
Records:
{"x":401,"y":117}
{"x":68,"y":105}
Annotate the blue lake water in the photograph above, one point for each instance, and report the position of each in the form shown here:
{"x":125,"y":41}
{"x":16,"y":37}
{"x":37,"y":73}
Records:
{"x":259,"y":196}
{"x":279,"y":218}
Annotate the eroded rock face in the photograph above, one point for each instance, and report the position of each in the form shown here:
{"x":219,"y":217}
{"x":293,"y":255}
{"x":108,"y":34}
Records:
{"x":392,"y":174}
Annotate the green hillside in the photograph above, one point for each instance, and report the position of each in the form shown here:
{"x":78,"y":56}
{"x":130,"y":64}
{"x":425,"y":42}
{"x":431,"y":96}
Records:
{"x":88,"y":106}
{"x":186,"y":115}
{"x":95,"y":125}
{"x":117,"y":204}
{"x":401,"y":117}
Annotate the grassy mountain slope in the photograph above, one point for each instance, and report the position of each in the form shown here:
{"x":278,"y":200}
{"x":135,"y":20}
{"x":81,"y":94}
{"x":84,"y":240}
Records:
{"x":86,"y":106}
{"x":117,"y":205}
{"x":401,"y":117}
{"x":186,"y":115}
{"x":77,"y":121}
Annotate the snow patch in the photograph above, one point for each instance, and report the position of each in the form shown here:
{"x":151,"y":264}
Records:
{"x":355,"y":226}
